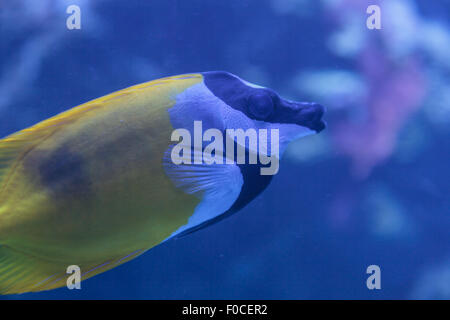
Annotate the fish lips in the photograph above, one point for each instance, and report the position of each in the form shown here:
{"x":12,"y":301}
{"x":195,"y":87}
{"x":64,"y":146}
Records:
{"x":311,"y":115}
{"x":306,"y":114}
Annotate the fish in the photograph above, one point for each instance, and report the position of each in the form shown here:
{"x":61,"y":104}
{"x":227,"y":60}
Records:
{"x":97,"y":186}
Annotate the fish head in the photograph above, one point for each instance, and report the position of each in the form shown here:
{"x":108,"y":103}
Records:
{"x":246,"y":105}
{"x":224,"y":101}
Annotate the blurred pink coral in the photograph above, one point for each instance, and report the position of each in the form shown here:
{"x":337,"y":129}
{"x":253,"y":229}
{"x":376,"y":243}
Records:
{"x":395,"y":92}
{"x":396,"y":87}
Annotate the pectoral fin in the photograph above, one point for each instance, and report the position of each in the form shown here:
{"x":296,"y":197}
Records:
{"x":218,"y":185}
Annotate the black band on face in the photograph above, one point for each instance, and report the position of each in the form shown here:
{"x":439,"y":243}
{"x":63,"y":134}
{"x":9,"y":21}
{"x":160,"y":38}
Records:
{"x":263,"y":104}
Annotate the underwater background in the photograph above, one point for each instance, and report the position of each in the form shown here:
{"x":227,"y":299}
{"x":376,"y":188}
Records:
{"x":372,"y":189}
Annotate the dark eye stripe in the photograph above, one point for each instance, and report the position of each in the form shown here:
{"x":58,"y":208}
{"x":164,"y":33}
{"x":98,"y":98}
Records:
{"x":235,"y":93}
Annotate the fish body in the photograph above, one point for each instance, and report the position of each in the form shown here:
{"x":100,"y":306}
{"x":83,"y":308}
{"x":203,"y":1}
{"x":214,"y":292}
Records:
{"x":95,"y":187}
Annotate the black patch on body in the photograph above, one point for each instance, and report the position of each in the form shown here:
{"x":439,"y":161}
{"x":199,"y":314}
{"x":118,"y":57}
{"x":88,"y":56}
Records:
{"x":63,"y":172}
{"x":254,"y":184}
{"x":238,"y":95}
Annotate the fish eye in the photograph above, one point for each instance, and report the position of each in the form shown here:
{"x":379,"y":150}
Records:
{"x":260,"y":105}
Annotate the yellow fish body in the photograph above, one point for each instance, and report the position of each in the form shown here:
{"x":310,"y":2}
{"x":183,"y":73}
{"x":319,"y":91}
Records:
{"x":88,"y":188}
{"x":78,"y":188}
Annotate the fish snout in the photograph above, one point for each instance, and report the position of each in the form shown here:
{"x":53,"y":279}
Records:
{"x":310,"y":114}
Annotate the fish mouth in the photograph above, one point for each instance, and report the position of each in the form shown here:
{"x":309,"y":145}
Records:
{"x":305,"y":114}
{"x":310,"y":115}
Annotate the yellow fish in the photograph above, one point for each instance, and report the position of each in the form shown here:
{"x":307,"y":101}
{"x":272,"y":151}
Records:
{"x":94,"y":186}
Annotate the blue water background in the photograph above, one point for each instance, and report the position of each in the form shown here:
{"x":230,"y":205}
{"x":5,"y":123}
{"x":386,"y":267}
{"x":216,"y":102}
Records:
{"x":330,"y":212}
